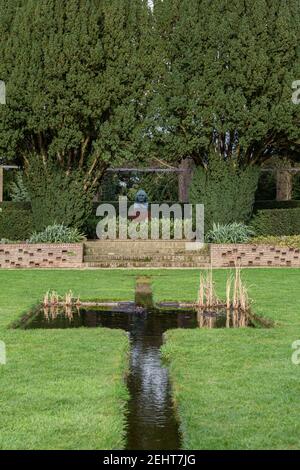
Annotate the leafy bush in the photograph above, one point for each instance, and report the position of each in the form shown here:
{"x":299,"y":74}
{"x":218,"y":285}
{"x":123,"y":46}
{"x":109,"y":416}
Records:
{"x":230,"y":233}
{"x":18,"y":190}
{"x":57,"y":234}
{"x":90,"y":227}
{"x":16,"y":222}
{"x":296,"y":187}
{"x":292,"y":241}
{"x":226,"y":191}
{"x":4,"y":241}
{"x":57,"y":197}
{"x":277,"y":222}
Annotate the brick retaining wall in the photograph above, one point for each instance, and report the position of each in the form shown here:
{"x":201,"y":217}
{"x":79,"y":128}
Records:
{"x":41,"y":255}
{"x":71,"y":256}
{"x":253,"y":255}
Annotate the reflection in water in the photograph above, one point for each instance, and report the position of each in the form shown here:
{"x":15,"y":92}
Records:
{"x":152,"y":423}
{"x":224,"y":318}
{"x":121,"y":317}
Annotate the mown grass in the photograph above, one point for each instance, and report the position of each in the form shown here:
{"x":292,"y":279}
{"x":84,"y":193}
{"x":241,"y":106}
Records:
{"x":238,"y":388}
{"x":62,"y":389}
{"x":235,"y":389}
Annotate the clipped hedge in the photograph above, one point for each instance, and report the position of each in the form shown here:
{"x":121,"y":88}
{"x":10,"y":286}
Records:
{"x":226,"y":191}
{"x":260,"y":205}
{"x":277,"y":222}
{"x":292,"y":241}
{"x":16,"y":221}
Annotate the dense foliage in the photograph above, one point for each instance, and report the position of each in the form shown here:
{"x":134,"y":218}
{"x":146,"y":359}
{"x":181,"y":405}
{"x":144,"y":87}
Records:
{"x":226,"y":191}
{"x":99,"y":83}
{"x":56,"y":197}
{"x":15,"y":221}
{"x":226,"y":79}
{"x":276,"y":205}
{"x":277,"y":222}
{"x":76,"y":79}
{"x":292,"y":241}
{"x":18,"y":190}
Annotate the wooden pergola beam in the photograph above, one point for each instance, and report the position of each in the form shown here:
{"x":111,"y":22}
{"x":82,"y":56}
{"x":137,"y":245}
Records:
{"x":182,"y":170}
{"x":146,"y":170}
{"x":290,"y":170}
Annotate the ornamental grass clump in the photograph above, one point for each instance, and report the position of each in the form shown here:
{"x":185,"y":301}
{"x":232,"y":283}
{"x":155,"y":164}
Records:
{"x":57,"y":234}
{"x":230,"y":233}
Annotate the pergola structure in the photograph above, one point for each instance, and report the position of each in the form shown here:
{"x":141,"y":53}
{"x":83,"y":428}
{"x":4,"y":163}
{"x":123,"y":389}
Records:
{"x":184,"y":172}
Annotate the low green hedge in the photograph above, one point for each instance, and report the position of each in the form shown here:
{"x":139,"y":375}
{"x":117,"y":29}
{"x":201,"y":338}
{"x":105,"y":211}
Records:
{"x":292,"y":241}
{"x":277,"y":222}
{"x":15,"y":221}
{"x":261,"y":205}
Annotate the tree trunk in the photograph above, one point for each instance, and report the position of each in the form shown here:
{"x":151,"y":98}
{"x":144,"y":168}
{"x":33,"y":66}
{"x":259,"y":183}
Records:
{"x":284,"y":185}
{"x":184,"y":179}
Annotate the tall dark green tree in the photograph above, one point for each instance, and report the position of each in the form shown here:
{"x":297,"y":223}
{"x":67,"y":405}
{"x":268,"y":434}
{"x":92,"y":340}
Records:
{"x":226,"y":79}
{"x":77,"y":73}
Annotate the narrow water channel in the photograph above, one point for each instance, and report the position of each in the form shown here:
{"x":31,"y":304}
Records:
{"x":152,"y":422}
{"x":151,"y":419}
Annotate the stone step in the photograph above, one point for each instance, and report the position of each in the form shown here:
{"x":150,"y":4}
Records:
{"x":150,"y":257}
{"x":141,"y":264}
{"x":141,"y":248}
{"x":133,"y":245}
{"x":142,"y":253}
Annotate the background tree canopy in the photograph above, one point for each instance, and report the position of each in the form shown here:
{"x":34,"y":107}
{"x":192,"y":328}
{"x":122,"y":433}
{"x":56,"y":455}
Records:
{"x":96,"y":83}
{"x":76,"y":77}
{"x":225,"y":79}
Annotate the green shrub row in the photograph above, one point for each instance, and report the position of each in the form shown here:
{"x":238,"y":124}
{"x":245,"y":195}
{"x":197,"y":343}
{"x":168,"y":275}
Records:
{"x":292,"y":241}
{"x":16,"y":221}
{"x":277,"y":222}
{"x":261,"y":205}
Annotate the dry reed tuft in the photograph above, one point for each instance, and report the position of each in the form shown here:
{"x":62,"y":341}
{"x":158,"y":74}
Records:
{"x":237,"y":303}
{"x":206,"y":294}
{"x":53,"y":299}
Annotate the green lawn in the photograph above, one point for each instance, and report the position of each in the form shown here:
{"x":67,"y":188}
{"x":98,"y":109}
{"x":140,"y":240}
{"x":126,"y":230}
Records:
{"x":234,"y":388}
{"x":61,"y":389}
{"x":238,"y":389}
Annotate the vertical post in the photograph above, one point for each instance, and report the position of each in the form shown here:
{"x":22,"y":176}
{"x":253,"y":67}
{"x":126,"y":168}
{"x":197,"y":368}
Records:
{"x":1,"y":183}
{"x":185,"y":178}
{"x":284,"y":184}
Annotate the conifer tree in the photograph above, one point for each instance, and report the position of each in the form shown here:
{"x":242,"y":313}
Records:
{"x":226,"y":79}
{"x":76,"y":80}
